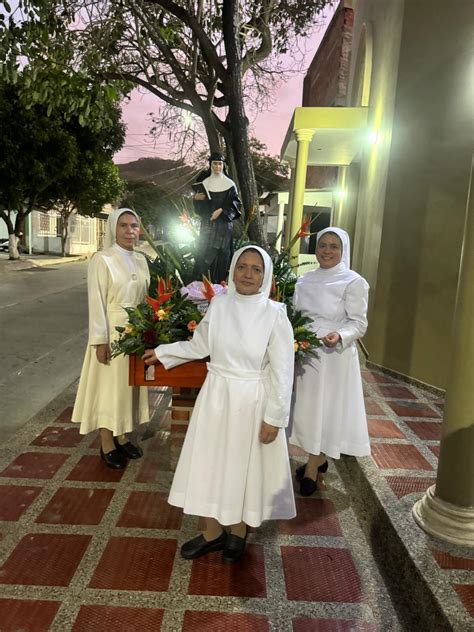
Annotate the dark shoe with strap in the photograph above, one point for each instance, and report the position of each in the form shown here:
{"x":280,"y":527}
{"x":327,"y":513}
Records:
{"x":234,"y":548}
{"x":114,"y":459}
{"x":129,"y":450}
{"x":307,"y":486}
{"x":300,"y":471}
{"x":200,"y":546}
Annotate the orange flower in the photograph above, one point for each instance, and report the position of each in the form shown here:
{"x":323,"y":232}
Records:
{"x":208,"y":289}
{"x":273,"y":291}
{"x":184,"y":217}
{"x":304,"y":344}
{"x":192,"y":325}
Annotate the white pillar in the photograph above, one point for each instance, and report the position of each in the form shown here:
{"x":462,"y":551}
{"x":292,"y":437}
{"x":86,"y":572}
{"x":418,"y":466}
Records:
{"x":281,"y":218}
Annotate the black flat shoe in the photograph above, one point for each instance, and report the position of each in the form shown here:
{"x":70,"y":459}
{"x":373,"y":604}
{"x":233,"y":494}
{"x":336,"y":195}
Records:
{"x":307,"y":486}
{"x":234,"y":548}
{"x":113,"y":459}
{"x":200,"y":546}
{"x":129,"y":450}
{"x":299,"y":472}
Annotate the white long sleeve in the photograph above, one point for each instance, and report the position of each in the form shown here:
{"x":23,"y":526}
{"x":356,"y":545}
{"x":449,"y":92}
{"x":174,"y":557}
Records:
{"x":356,"y":303}
{"x":97,"y":288}
{"x":281,"y":357}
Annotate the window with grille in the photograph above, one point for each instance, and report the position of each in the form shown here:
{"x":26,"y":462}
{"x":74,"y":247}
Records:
{"x":48,"y":224}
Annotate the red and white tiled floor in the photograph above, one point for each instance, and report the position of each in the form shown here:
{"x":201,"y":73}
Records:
{"x":405,"y":430}
{"x":85,"y":548}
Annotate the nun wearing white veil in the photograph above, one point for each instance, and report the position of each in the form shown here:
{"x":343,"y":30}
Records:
{"x":234,"y":467}
{"x":118,"y":277}
{"x":217,"y":211}
{"x":329,"y":413}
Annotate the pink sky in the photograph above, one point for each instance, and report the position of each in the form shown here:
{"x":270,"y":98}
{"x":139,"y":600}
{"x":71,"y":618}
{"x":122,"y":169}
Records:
{"x":269,"y":127}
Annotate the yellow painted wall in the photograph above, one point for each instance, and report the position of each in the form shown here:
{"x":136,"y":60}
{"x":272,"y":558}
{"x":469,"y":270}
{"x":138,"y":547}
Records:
{"x":414,"y":180}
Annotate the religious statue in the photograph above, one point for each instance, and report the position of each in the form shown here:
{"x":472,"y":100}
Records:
{"x":217,"y":203}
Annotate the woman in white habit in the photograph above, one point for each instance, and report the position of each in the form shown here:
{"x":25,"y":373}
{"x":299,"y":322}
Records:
{"x":234,"y":467}
{"x":118,"y":277}
{"x":329,"y":413}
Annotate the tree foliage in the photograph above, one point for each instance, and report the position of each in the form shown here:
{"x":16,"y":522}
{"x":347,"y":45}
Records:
{"x":208,"y":58}
{"x":152,"y":203}
{"x":51,"y":162}
{"x":270,"y":174}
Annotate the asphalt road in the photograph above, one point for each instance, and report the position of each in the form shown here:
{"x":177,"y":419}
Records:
{"x":43,"y":324}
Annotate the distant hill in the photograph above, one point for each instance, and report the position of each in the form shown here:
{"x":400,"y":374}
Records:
{"x":172,"y":176}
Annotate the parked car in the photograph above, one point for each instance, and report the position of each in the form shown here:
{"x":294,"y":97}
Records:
{"x":4,"y":244}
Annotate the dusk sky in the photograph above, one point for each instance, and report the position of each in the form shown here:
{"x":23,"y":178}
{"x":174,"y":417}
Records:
{"x":269,"y":127}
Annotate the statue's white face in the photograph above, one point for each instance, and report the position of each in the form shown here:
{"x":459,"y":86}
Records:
{"x":217,"y":166}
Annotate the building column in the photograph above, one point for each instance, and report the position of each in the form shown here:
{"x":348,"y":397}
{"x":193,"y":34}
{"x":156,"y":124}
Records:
{"x":303,"y":138}
{"x":280,"y":222}
{"x":286,"y":236}
{"x":447,"y":509}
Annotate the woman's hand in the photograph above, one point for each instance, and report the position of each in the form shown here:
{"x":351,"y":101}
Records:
{"x":102,"y":353}
{"x":267,"y":433}
{"x":216,"y":214}
{"x":331,"y":340}
{"x":149,"y":357}
{"x":199,"y":197}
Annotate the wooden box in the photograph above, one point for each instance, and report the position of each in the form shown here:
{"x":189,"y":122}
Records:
{"x":190,"y":375}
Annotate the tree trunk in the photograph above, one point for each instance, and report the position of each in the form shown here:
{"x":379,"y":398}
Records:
{"x":211,"y":130}
{"x":12,"y":238}
{"x":239,"y":122}
{"x":13,"y":252}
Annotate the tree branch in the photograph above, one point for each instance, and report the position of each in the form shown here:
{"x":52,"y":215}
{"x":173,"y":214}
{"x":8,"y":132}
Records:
{"x":207,"y":47}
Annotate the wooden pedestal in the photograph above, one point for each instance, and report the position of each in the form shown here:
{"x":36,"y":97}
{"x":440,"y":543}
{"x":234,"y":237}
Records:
{"x":189,"y":375}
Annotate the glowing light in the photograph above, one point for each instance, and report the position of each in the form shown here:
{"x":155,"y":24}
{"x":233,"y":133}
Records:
{"x":182,"y":234}
{"x":373,"y":138}
{"x":340,"y":194}
{"x":188,"y":120}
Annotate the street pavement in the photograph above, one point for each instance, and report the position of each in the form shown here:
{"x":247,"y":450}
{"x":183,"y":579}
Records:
{"x":43,"y":320}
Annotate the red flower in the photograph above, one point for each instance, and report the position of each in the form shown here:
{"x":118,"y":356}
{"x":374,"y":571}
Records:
{"x":164,"y":291}
{"x":149,"y":337}
{"x":303,"y":231}
{"x":208,"y":289}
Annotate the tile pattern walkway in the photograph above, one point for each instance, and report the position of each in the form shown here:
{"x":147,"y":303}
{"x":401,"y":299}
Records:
{"x":85,"y":548}
{"x":405,"y":435}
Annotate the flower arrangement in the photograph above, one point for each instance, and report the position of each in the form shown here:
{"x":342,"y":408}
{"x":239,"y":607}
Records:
{"x":172,"y":310}
{"x":165,"y":317}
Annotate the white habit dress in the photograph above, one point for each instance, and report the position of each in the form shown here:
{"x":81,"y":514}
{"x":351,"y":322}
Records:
{"x":329,"y":412}
{"x":224,"y":471}
{"x":117,"y":278}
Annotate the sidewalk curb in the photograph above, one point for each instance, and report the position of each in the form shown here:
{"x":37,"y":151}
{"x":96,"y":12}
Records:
{"x":399,"y":549}
{"x":7,"y":265}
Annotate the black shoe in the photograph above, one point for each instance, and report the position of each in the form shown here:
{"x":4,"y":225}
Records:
{"x":200,"y":546}
{"x":234,"y":548}
{"x":307,"y":486}
{"x":114,"y":459}
{"x":128,"y":450}
{"x":299,"y":472}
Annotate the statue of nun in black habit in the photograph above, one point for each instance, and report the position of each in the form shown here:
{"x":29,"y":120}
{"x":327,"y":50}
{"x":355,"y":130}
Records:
{"x":217,"y":207}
